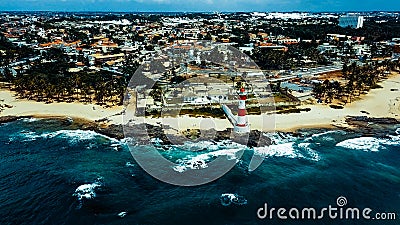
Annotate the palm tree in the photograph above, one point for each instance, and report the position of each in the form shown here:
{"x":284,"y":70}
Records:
{"x":233,"y":80}
{"x":318,"y":90}
{"x":345,"y":70}
{"x":330,"y":95}
{"x":349,"y":89}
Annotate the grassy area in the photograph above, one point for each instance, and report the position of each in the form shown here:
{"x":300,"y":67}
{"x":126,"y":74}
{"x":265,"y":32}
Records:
{"x":279,"y":97}
{"x":200,"y":112}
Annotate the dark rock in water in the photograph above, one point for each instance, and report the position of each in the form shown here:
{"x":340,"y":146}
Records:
{"x":114,"y":131}
{"x":256,"y":139}
{"x":6,"y":119}
{"x":89,"y":126}
{"x":223,"y":135}
{"x":370,"y":126}
{"x":372,"y":120}
{"x":67,"y":121}
{"x":143,"y":133}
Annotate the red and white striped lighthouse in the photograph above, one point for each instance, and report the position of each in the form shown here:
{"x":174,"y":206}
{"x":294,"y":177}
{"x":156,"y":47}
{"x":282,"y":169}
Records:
{"x":242,"y":124}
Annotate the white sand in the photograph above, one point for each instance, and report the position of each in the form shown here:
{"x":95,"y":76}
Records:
{"x":41,"y":109}
{"x":378,"y":102}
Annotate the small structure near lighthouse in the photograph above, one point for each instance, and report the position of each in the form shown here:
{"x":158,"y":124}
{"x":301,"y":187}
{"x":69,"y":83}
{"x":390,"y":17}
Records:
{"x":242,"y":124}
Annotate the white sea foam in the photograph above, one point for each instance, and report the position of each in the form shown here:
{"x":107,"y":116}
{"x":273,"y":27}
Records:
{"x":193,"y":163}
{"x":77,"y":135}
{"x":30,"y":120}
{"x":156,"y":141}
{"x":367,"y":143}
{"x":229,"y":153}
{"x":279,"y":150}
{"x":390,"y":140}
{"x":329,"y":132}
{"x":122,"y":214}
{"x":199,"y":146}
{"x":73,"y":136}
{"x":280,"y":138}
{"x":288,"y":150}
{"x":129,"y":164}
{"x":127,"y":141}
{"x":311,"y":152}
{"x":200,"y":161}
{"x":231,"y":150}
{"x":87,"y":191}
{"x":28,"y":136}
{"x":180,"y":168}
{"x":325,"y":135}
{"x":398,"y":131}
{"x":228,"y":199}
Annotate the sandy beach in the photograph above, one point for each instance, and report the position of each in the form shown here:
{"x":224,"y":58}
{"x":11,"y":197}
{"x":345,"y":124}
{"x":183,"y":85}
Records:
{"x":23,"y":107}
{"x":382,"y":102}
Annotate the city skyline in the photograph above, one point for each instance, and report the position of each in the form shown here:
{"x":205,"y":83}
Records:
{"x":194,"y":6}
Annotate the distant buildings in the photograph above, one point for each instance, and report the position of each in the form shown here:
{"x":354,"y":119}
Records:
{"x":351,"y":21}
{"x":327,"y":48}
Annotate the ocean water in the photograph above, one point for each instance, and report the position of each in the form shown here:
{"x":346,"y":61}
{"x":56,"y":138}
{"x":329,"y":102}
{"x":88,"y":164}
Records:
{"x":52,"y":174}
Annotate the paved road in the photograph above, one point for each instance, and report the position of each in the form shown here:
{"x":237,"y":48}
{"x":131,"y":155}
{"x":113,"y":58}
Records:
{"x":309,"y":72}
{"x":319,"y":70}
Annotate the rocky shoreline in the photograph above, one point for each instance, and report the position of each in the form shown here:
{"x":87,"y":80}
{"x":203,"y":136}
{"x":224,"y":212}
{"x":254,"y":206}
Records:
{"x":371,"y":126}
{"x":144,"y":133}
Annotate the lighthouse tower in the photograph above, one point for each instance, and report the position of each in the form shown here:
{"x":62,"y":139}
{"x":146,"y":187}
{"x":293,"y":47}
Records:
{"x":242,"y":124}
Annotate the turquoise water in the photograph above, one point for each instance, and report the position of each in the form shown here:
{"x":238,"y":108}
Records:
{"x":50,"y":174}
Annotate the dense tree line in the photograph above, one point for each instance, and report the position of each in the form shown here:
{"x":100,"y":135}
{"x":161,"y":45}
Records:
{"x":51,"y":82}
{"x":371,"y":30}
{"x":292,"y":58}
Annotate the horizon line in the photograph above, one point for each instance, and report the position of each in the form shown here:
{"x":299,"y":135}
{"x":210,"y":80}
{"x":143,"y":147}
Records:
{"x":205,"y":11}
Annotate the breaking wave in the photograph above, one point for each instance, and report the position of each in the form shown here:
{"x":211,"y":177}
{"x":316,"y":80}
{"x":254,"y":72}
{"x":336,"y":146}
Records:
{"x":223,"y":148}
{"x":280,"y":138}
{"x":73,"y":136}
{"x":288,"y":150}
{"x":369,"y":144}
{"x":30,"y":120}
{"x":87,"y":191}
{"x":325,"y":136}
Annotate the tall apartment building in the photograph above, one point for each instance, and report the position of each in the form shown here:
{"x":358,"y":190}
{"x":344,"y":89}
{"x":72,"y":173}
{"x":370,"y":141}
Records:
{"x":351,"y":21}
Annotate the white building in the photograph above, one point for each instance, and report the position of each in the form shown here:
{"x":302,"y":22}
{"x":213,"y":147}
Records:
{"x":351,"y":21}
{"x":327,"y":48}
{"x":362,"y":49}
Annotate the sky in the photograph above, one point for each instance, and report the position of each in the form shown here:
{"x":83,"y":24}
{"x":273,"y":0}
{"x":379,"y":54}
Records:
{"x":199,"y":5}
